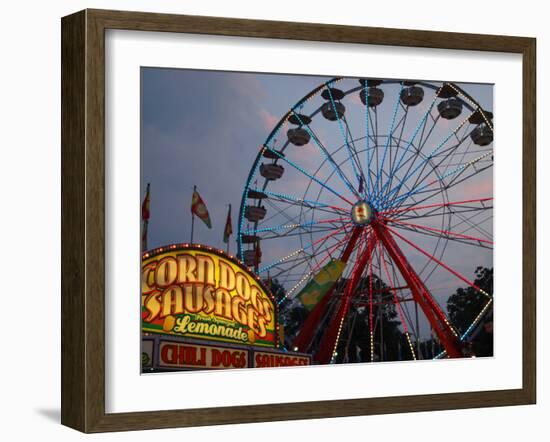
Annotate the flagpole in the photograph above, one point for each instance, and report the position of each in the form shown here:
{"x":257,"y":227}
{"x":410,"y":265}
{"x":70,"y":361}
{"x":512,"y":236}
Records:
{"x":192,"y":216}
{"x":228,"y":240}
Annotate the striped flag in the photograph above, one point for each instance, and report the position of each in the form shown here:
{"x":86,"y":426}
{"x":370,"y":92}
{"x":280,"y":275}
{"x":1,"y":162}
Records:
{"x":199,"y":208}
{"x":228,"y":231}
{"x":145,"y":206}
{"x":145,"y":215}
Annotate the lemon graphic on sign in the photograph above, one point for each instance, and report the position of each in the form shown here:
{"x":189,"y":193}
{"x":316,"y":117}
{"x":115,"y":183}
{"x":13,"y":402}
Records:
{"x":251,"y":336}
{"x":169,"y":323}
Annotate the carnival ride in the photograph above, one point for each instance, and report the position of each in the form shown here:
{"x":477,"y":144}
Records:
{"x":378,"y":178}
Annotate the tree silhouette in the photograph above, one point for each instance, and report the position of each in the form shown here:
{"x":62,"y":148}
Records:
{"x":464,"y":306}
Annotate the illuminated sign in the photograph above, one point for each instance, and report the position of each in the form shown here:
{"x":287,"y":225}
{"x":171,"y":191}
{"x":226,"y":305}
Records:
{"x":177,"y":354}
{"x":147,"y":349}
{"x":184,"y":355}
{"x":273,"y":359}
{"x":199,"y":292}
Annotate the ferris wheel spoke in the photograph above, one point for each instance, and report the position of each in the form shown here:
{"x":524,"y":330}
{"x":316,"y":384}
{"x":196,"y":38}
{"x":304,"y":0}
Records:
{"x":463,"y":203}
{"x":458,"y":177}
{"x":296,"y":232}
{"x":343,"y":133}
{"x":431,"y":231}
{"x":397,"y":165}
{"x":355,"y":157}
{"x":474,"y":225}
{"x":309,"y":203}
{"x":438,"y":160}
{"x":369,"y":182}
{"x":391,"y":175}
{"x":446,"y":155}
{"x":326,"y":154}
{"x":293,"y":164}
{"x":294,"y":226}
{"x":455,"y":152}
{"x":456,"y":170}
{"x":388,"y":142}
{"x":332,"y":335}
{"x":428,"y":158}
{"x":281,"y":206}
{"x":441,"y":263}
{"x":301,"y":249}
{"x":422,"y":142}
{"x":396,"y":301}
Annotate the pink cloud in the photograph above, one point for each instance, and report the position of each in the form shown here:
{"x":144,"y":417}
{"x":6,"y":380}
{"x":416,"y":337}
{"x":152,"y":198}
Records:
{"x":480,"y":188}
{"x":268,"y":120}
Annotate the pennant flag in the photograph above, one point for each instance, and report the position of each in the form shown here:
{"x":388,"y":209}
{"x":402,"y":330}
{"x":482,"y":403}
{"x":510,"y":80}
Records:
{"x":145,"y":209}
{"x":145,"y":215}
{"x":228,"y":231}
{"x":199,"y":208}
{"x":321,"y":283}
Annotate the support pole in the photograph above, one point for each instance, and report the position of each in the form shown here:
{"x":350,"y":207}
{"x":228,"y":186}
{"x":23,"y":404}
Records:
{"x":330,"y":338}
{"x":193,"y":217}
{"x":435,"y":316}
{"x":417,"y":330}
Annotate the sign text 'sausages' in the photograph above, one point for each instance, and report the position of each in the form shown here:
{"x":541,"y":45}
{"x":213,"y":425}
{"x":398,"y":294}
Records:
{"x":194,"y":292}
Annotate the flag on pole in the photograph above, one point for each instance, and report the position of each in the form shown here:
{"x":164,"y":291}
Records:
{"x":228,"y":231}
{"x":145,"y":215}
{"x":199,"y":208}
{"x":145,"y":206}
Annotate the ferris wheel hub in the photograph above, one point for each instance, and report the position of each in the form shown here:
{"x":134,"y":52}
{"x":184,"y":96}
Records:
{"x":362,"y":213}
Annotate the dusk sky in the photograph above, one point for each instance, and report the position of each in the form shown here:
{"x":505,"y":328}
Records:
{"x":205,"y":128}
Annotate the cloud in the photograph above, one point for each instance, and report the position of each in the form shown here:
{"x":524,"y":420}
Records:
{"x":268,"y":119}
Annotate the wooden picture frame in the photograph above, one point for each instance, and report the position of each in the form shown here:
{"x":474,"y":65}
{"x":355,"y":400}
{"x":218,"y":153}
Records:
{"x":83,"y":220}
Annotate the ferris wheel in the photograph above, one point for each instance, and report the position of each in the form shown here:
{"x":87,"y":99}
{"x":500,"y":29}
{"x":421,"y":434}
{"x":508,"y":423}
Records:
{"x":385,"y":186}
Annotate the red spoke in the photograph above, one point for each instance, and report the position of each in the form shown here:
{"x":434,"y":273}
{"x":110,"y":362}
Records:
{"x":442,"y":264}
{"x":446,"y":232}
{"x":432,"y":206}
{"x":435,"y":316}
{"x":371,"y":327}
{"x":396,"y":301}
{"x":331,"y":336}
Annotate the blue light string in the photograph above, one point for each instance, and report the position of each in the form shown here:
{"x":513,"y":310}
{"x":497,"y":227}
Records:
{"x":273,"y":264}
{"x":378,"y":195}
{"x":368,"y":178}
{"x":305,"y":173}
{"x":350,"y":154}
{"x":327,"y":158}
{"x":292,"y":198}
{"x":405,"y":151}
{"x":447,"y":174}
{"x":284,"y":226}
{"x":428,"y":158}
